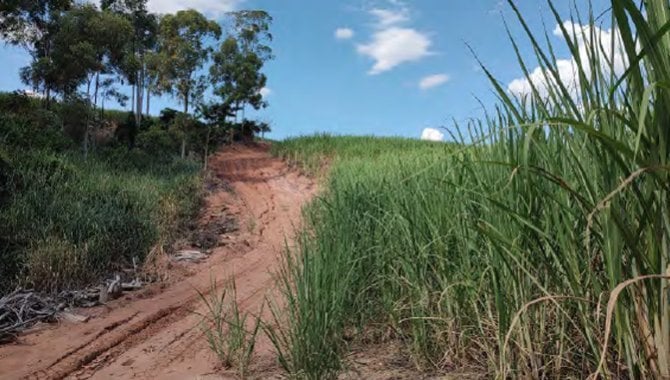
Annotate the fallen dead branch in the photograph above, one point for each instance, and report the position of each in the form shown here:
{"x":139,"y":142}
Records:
{"x":21,"y":310}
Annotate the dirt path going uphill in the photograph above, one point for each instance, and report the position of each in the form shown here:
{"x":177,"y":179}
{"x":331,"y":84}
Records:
{"x":154,"y":334}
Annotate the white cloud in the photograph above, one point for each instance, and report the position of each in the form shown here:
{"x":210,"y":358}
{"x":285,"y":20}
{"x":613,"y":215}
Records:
{"x":388,"y":17}
{"x":433,"y":81}
{"x":344,"y":33}
{"x":211,"y":8}
{"x":392,"y":43}
{"x":394,"y":46}
{"x":432,"y":134}
{"x":265,"y":92}
{"x":568,"y":72}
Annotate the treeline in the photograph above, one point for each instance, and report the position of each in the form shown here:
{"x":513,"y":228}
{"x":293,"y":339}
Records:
{"x":84,"y":53}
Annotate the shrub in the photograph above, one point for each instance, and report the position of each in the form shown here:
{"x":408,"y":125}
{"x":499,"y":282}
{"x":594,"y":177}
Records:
{"x":162,"y":144}
{"x":76,"y":115}
{"x":25,"y":133}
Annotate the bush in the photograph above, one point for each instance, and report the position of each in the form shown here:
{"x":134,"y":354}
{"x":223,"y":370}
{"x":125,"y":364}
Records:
{"x":76,"y":114}
{"x":23,"y":132}
{"x":158,"y":142}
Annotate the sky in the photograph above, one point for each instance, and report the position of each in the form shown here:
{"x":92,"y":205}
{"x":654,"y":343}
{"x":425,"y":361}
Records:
{"x":379,"y":67}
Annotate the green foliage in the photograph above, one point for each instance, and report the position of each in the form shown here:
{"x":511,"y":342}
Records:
{"x":66,"y":220}
{"x":77,"y":115}
{"x":225,"y":327}
{"x":82,"y":42}
{"x":157,"y":141}
{"x":108,"y":210}
{"x":237,"y":76}
{"x":33,"y":130}
{"x":315,"y":152}
{"x":539,"y":249}
{"x":182,"y":52}
{"x":236,"y":70}
{"x":23,"y":21}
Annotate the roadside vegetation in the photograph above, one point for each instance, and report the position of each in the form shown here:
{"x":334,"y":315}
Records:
{"x":535,"y":246}
{"x":230,"y":333}
{"x":85,"y":190}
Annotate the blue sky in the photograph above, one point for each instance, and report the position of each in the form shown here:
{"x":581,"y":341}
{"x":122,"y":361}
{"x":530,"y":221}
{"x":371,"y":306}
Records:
{"x":381,"y":67}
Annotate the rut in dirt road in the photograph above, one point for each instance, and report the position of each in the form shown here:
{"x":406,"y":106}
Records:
{"x":155,"y":334}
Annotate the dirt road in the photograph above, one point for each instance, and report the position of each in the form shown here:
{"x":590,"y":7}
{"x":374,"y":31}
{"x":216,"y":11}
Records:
{"x":154,"y":334}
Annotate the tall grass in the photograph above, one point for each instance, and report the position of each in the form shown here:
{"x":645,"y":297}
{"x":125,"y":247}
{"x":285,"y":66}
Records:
{"x":225,"y":327}
{"x":539,"y":248}
{"x":313,"y":153}
{"x":66,"y":221}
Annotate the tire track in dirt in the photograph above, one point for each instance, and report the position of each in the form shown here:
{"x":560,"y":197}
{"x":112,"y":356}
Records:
{"x":155,"y":333}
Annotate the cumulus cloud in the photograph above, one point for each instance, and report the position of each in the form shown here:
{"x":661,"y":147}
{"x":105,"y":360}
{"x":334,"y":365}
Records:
{"x":585,"y":37}
{"x":432,"y":134}
{"x":344,"y":33}
{"x":389,"y":17}
{"x":433,"y":81}
{"x":265,"y":92}
{"x":394,"y":46}
{"x":211,"y":8}
{"x":393,"y":43}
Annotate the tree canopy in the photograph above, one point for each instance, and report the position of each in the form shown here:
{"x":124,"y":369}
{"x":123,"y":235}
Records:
{"x":90,"y":50}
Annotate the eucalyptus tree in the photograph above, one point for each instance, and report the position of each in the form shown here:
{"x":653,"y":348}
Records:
{"x":87,"y":47}
{"x":84,"y":44}
{"x":237,"y":76}
{"x":252,"y":30}
{"x":182,"y":52}
{"x":141,"y":45}
{"x":30,"y":24}
{"x":237,"y":66}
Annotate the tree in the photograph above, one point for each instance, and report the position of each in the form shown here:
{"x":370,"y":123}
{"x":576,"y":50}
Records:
{"x":252,"y":29}
{"x":84,"y":44}
{"x":29,"y":23}
{"x":237,"y":76}
{"x":215,"y":115}
{"x":237,"y":64}
{"x":137,"y":68}
{"x":87,"y":46}
{"x":182,"y":52}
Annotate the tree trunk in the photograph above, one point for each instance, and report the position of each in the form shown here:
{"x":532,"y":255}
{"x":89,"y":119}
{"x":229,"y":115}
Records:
{"x":88,"y":88}
{"x":95,"y":93}
{"x":209,"y":131}
{"x":86,"y":137}
{"x":183,"y":139}
{"x":148,"y":99}
{"x":140,"y":95}
{"x":48,"y":97}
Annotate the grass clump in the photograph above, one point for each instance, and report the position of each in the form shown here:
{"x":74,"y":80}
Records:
{"x":535,"y":248}
{"x":225,"y":327}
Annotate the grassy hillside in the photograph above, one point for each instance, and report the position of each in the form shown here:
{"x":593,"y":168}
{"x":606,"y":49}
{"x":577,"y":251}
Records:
{"x":537,"y":250}
{"x":67,"y":220}
{"x":313,"y":153}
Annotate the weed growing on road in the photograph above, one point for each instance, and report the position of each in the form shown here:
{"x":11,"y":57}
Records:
{"x":225,"y":327}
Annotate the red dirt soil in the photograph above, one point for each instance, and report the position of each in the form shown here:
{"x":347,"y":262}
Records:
{"x":154,"y":334}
